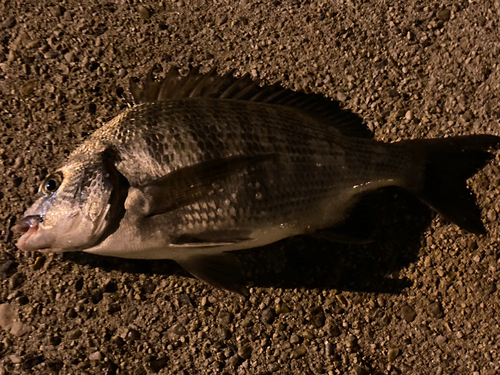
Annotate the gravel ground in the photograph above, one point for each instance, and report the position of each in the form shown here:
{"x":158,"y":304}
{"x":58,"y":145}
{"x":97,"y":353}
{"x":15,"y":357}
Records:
{"x":422,"y":300}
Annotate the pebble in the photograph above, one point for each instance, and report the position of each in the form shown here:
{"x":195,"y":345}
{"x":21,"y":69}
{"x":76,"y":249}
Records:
{"x":7,"y":316}
{"x":157,"y":364}
{"x":268,"y":316}
{"x":358,"y":370}
{"x":329,"y":350}
{"x":294,"y":339}
{"x":440,"y":340}
{"x":245,"y":351}
{"x":307,"y":335}
{"x":19,"y":329}
{"x":96,"y":356}
{"x":27,"y":88}
{"x":492,"y":215}
{"x":224,"y":333}
{"x":18,"y":163}
{"x":9,"y":23}
{"x":434,"y":310}
{"x":133,"y":334}
{"x":282,"y":308}
{"x":341,"y":97}
{"x":298,"y":352}
{"x":69,"y":56}
{"x":75,"y":334}
{"x":407,"y":313}
{"x":318,"y":317}
{"x":444,"y":14}
{"x":144,"y":12}
{"x":234,"y":360}
{"x":392,"y":354}
{"x":175,"y":332}
{"x":409,"y":115}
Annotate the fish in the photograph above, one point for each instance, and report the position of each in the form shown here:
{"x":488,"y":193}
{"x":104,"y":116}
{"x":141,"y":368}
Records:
{"x":201,"y":165}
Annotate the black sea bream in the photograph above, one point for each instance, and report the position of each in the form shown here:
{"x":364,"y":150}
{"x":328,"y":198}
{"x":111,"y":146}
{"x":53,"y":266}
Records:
{"x":203,"y":165}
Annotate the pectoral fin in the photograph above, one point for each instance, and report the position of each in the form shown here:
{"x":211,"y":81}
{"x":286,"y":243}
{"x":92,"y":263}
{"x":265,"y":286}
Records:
{"x":187,"y":185}
{"x":222,"y":271}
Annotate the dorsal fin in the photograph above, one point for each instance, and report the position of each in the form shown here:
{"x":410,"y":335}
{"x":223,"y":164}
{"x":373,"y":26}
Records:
{"x":211,"y":85}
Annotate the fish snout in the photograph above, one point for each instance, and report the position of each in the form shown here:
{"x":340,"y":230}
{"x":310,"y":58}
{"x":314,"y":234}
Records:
{"x":26,"y":223}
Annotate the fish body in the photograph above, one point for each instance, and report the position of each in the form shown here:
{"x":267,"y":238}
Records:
{"x":192,"y":172}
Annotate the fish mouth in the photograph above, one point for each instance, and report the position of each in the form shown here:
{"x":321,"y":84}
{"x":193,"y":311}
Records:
{"x":29,"y":226}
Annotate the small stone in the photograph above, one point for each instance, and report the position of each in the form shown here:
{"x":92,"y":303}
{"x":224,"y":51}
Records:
{"x":358,"y":370}
{"x":234,"y":360}
{"x":133,"y":334}
{"x":245,"y":351}
{"x":57,"y":10}
{"x":14,"y":358}
{"x":444,"y":14}
{"x":224,"y":333}
{"x":294,"y":339}
{"x":282,"y":308}
{"x":492,"y":215}
{"x":7,"y":316}
{"x":318,"y":317}
{"x":96,"y":356}
{"x":408,"y":314}
{"x":175,"y":332}
{"x":341,"y":97}
{"x":69,"y":57}
{"x":143,"y":12}
{"x":307,"y":335}
{"x":440,"y":340}
{"x":54,"y":340}
{"x":268,"y":316}
{"x":18,"y":163}
{"x":27,"y":88}
{"x":55,"y":365}
{"x":392,"y":354}
{"x":329,"y":349}
{"x":393,"y":93}
{"x":30,"y":360}
{"x":298,"y":352}
{"x":19,"y":329}
{"x":409,"y":115}
{"x":110,"y":287}
{"x":157,"y":364}
{"x":9,"y":23}
{"x":434,"y":310}
{"x":75,"y":334}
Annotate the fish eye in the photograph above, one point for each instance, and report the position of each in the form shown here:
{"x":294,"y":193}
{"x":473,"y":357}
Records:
{"x":51,"y":183}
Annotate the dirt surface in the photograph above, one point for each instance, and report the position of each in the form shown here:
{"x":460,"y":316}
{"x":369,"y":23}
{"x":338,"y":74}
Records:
{"x":423,"y":299}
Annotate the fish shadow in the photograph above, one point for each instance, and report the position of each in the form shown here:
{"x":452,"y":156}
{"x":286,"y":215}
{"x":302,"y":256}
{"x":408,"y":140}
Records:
{"x":394,"y":219}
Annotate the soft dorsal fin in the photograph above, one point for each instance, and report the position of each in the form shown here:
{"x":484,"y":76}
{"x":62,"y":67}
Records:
{"x":211,"y":85}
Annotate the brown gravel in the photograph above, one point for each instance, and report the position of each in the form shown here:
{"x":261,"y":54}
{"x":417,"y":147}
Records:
{"x":423,"y":300}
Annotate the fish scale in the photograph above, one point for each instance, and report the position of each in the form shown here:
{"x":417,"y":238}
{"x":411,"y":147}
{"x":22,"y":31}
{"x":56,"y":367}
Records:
{"x":205,"y":165}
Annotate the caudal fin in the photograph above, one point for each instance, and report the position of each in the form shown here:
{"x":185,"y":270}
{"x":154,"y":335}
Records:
{"x":449,"y":162}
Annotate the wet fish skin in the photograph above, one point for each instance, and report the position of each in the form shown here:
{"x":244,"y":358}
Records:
{"x":189,"y":178}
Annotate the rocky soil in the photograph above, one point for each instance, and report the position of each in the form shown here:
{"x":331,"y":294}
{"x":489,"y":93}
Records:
{"x":423,"y":299}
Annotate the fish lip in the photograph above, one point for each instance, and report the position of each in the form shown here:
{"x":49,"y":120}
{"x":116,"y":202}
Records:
{"x":29,"y":226}
{"x":26,"y":223}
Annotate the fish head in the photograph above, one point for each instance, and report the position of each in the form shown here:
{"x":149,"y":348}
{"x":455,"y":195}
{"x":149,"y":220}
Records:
{"x":73,"y":207}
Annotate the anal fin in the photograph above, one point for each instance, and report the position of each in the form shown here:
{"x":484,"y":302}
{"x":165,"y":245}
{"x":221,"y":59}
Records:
{"x":221,"y":270}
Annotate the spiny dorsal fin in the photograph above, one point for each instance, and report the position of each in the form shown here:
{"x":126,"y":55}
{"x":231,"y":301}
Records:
{"x":211,"y":85}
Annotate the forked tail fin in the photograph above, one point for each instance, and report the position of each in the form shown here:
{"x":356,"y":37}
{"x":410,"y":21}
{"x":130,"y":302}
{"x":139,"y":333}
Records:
{"x":449,"y":162}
